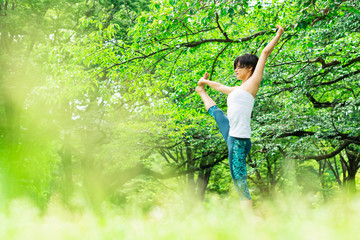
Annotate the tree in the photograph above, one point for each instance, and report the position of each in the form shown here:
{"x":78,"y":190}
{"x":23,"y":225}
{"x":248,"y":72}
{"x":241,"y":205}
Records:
{"x":310,"y":86}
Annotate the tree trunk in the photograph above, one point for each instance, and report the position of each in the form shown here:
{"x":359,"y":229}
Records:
{"x":202,"y":182}
{"x":354,"y":159}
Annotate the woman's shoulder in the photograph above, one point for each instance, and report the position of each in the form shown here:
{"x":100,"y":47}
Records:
{"x":247,"y":91}
{"x":250,"y":88}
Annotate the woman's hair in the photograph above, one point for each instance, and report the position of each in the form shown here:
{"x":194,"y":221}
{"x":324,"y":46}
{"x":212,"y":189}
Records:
{"x":247,"y":60}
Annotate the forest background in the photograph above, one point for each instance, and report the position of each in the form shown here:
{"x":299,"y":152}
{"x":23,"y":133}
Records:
{"x":97,"y":102}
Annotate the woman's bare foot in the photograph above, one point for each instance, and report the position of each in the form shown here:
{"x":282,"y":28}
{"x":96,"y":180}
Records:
{"x":200,"y":89}
{"x":204,"y":96}
{"x":206,"y":75}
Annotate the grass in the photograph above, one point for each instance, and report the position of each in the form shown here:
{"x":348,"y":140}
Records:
{"x":291,"y":217}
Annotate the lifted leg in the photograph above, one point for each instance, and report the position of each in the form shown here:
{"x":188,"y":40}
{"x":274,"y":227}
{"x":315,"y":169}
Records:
{"x":205,"y":97}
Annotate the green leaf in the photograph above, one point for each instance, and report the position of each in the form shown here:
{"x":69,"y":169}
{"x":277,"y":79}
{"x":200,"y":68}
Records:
{"x":231,"y":12}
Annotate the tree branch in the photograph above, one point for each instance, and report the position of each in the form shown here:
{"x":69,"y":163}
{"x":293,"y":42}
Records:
{"x":216,"y":58}
{"x":191,"y":45}
{"x":330,"y":155}
{"x":338,"y":79}
{"x":323,"y":63}
{"x":354,"y":60}
{"x":218,"y":24}
{"x":323,"y":104}
{"x":288,"y":134}
{"x":187,"y":34}
{"x":135,"y":58}
{"x":320,"y":60}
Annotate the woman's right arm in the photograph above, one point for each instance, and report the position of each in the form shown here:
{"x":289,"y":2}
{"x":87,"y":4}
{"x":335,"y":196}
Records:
{"x":218,"y":86}
{"x":215,"y":85}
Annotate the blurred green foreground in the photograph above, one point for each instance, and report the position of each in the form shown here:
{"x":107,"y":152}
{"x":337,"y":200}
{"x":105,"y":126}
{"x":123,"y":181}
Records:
{"x":103,"y":137}
{"x":283,"y":218}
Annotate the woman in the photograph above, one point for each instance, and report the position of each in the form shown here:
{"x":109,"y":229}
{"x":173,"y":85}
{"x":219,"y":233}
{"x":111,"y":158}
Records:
{"x":235,"y":128}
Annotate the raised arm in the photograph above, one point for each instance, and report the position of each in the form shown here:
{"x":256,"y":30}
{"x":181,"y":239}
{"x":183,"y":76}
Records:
{"x":253,"y":83}
{"x":215,"y":85}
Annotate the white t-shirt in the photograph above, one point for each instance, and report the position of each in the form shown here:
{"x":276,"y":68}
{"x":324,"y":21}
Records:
{"x":240,"y":104}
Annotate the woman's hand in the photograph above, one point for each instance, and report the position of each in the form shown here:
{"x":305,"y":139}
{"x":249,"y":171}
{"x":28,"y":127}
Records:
{"x":280,"y":30}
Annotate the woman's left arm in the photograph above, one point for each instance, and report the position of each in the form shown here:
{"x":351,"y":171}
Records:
{"x":254,"y":81}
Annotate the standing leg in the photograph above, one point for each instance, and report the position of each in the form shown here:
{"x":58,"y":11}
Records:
{"x":241,"y":148}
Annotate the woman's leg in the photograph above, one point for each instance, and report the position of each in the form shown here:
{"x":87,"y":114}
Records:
{"x":220,"y":117}
{"x":237,"y":155}
{"x":205,"y":97}
{"x":224,"y":126}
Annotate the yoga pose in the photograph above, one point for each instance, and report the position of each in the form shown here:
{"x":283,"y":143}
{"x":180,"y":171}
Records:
{"x":235,"y":127}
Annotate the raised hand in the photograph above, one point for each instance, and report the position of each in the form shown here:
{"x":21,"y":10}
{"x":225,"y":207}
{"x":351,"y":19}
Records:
{"x":280,"y":30}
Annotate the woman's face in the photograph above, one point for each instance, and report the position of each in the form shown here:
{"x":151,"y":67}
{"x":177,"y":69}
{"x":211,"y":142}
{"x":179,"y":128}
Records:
{"x":242,"y":72}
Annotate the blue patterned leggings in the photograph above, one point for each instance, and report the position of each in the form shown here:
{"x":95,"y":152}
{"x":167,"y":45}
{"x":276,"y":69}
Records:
{"x":238,"y":149}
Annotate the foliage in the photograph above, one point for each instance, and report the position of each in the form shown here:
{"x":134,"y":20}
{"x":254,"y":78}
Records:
{"x":98,"y":97}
